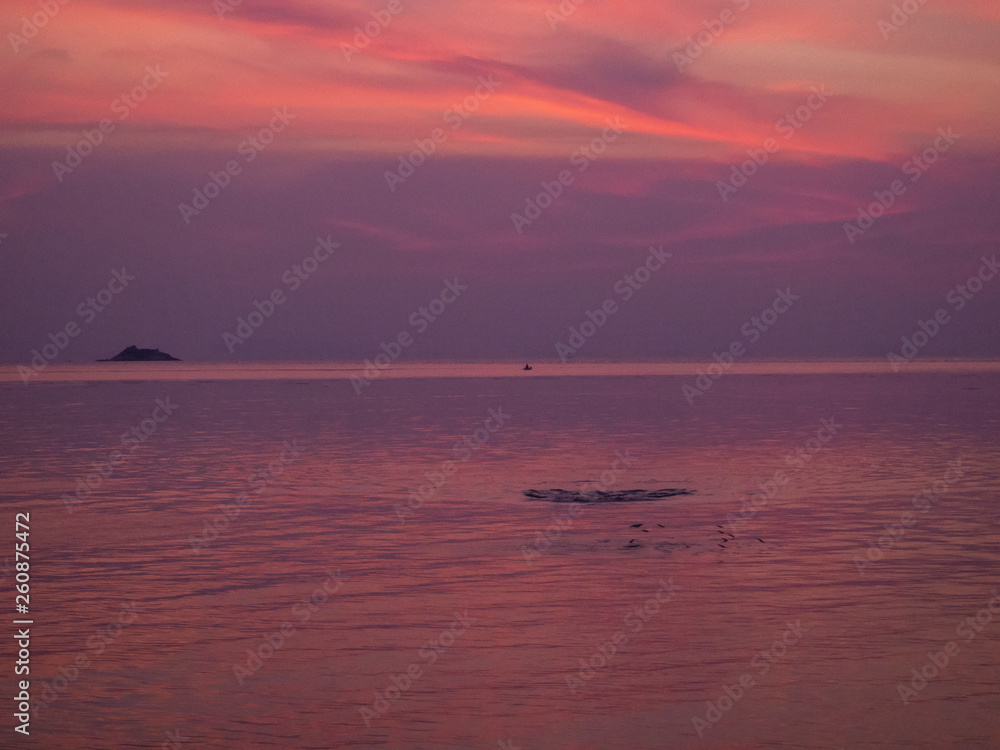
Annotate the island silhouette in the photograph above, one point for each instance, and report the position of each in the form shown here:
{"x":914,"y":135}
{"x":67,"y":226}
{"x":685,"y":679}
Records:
{"x":135,"y":354}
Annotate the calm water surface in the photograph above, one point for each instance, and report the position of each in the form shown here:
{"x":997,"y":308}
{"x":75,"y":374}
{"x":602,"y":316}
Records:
{"x":490,"y":600}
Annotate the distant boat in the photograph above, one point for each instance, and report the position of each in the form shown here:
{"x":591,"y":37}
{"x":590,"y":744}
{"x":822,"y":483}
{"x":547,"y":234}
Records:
{"x":527,"y":367}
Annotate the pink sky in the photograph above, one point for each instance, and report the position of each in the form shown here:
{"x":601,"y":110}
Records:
{"x":556,"y":80}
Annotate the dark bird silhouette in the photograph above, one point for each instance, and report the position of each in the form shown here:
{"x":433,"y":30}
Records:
{"x":661,"y":525}
{"x":635,"y":526}
{"x":761,"y":540}
{"x":646,"y":530}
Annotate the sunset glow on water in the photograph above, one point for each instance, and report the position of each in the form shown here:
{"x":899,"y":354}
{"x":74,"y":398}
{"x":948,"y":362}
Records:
{"x":367,"y":563}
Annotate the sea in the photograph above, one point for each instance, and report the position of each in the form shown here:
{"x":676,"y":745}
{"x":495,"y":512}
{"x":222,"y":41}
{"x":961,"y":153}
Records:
{"x":297,"y":556}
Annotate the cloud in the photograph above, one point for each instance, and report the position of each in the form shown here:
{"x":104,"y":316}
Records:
{"x":608,"y":70}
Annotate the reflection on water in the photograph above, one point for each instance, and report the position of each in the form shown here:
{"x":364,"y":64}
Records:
{"x":302,"y":567}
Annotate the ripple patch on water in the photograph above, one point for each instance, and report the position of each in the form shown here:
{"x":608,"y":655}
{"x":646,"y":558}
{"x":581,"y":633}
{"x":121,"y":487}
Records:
{"x":599,"y":496}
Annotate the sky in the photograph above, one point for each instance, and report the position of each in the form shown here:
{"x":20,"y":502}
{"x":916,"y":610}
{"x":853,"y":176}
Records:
{"x":483,"y":178}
